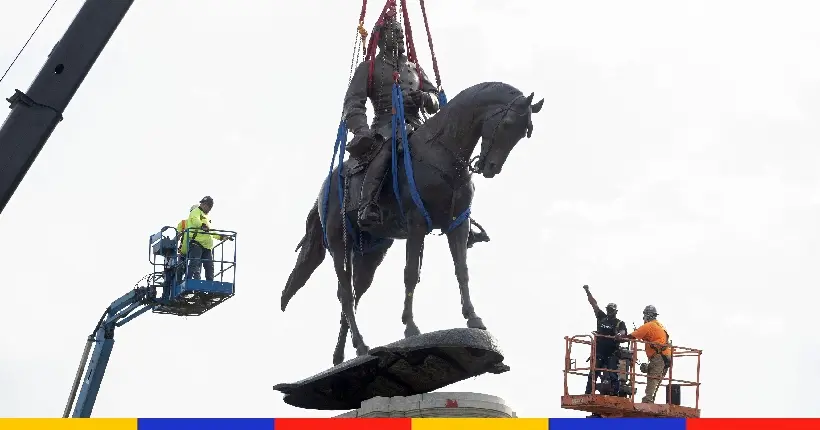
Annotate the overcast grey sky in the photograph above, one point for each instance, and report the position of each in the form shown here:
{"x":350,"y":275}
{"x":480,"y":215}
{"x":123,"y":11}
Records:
{"x":674,"y":164}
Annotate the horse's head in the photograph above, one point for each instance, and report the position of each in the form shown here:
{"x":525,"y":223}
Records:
{"x":503,"y":126}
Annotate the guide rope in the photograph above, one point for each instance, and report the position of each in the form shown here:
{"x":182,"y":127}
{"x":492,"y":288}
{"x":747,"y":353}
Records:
{"x":29,"y":40}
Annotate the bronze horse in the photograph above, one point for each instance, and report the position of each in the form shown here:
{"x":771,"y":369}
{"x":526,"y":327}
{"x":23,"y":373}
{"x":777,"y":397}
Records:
{"x":495,"y":112}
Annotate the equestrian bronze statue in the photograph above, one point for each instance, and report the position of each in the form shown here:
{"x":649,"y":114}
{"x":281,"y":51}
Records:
{"x":497,"y":114}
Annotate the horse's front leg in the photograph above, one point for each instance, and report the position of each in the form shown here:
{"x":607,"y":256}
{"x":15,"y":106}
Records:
{"x":457,"y":239}
{"x":415,"y":244}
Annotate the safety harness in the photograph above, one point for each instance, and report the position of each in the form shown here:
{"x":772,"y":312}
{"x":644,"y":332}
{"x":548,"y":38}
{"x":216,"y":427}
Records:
{"x":183,"y":225}
{"x":667,"y":361}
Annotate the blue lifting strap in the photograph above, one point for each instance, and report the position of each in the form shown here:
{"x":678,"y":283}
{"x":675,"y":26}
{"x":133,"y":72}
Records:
{"x":339,"y":148}
{"x":400,"y":126}
{"x":399,"y":120}
{"x":442,"y":99}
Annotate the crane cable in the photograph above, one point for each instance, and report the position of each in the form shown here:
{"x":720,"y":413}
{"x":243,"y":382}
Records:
{"x":29,"y":40}
{"x":411,"y":48}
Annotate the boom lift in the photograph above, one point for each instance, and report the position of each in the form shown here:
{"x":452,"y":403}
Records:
{"x":623,"y":404}
{"x":169,"y":289}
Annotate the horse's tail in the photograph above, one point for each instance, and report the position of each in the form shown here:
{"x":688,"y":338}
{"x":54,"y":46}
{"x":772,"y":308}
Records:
{"x":310,"y":257}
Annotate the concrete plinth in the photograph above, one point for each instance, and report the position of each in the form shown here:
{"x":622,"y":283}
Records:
{"x":433,"y":405}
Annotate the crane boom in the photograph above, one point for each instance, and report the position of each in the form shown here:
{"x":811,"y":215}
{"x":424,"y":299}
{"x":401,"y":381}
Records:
{"x":36,"y":113}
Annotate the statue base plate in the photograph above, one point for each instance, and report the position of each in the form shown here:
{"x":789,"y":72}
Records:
{"x":416,"y":365}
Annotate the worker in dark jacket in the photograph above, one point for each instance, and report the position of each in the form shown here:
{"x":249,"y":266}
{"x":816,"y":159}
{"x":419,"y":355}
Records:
{"x":606,"y":348}
{"x":369,"y":141}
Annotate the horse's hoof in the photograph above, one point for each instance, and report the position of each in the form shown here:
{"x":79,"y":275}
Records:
{"x":498,"y":368}
{"x":476,"y":322}
{"x":338,"y":358}
{"x":411,"y":330}
{"x":362,"y":350}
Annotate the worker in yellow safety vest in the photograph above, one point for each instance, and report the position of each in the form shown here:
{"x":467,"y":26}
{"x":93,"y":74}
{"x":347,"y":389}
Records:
{"x":183,"y":246}
{"x":197,"y":244}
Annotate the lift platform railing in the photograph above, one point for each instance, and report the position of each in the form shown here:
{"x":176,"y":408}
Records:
{"x":172,"y":268}
{"x":633,"y":352}
{"x":222,"y":238}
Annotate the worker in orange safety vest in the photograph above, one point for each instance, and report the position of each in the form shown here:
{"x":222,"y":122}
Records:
{"x":658,"y":351}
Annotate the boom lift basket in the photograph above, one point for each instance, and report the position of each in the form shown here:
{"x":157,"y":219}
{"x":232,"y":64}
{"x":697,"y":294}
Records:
{"x":611,"y":405}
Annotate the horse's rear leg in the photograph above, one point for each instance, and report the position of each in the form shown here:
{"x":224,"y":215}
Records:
{"x":415,"y":244}
{"x":345,"y":295}
{"x":364,"y":268}
{"x":339,"y":351}
{"x":457,"y":239}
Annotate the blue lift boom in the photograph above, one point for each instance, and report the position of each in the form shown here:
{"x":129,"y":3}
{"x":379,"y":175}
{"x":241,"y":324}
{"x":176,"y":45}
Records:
{"x":169,"y":289}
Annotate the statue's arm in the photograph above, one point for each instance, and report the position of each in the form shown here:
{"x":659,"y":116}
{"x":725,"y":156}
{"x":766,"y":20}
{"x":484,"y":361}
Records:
{"x":431,"y":94}
{"x":355,"y":104}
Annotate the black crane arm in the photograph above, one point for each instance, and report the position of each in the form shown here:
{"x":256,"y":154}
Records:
{"x":36,"y":113}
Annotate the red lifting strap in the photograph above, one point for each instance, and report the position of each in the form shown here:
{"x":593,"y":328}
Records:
{"x":361,"y":30}
{"x":411,"y":47}
{"x":408,"y":32}
{"x":364,"y":10}
{"x":388,"y":9}
{"x":430,"y":42}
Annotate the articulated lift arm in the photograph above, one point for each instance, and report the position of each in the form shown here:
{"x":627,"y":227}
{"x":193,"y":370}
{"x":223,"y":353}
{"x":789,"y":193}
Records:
{"x":126,"y":308}
{"x":35,"y":113}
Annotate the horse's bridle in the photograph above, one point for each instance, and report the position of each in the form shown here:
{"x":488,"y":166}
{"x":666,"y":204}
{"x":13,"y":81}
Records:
{"x":477,"y":162}
{"x":472,"y":164}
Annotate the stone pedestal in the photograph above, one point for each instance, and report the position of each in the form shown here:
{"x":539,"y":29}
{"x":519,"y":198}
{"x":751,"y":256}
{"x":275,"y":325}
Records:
{"x":433,"y":405}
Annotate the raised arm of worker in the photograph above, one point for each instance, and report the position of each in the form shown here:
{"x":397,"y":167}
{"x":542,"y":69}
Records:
{"x":594,"y":303}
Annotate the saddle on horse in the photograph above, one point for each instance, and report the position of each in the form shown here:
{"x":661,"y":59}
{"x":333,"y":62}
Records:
{"x":372,"y":154}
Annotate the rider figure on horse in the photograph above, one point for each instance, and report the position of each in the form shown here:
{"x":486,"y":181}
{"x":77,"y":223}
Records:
{"x":418,"y":93}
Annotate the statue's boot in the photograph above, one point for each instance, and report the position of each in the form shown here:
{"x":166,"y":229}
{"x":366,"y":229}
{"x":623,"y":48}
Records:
{"x":369,"y":215}
{"x":369,"y":212}
{"x":476,"y":236}
{"x":360,"y":145}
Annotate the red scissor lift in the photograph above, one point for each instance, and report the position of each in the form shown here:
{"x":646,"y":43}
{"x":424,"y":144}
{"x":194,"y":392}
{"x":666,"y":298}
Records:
{"x":611,"y":406}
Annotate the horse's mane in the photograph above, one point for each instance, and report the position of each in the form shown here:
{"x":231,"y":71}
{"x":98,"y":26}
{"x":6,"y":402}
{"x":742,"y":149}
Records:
{"x":483,"y":94}
{"x":486,"y":93}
